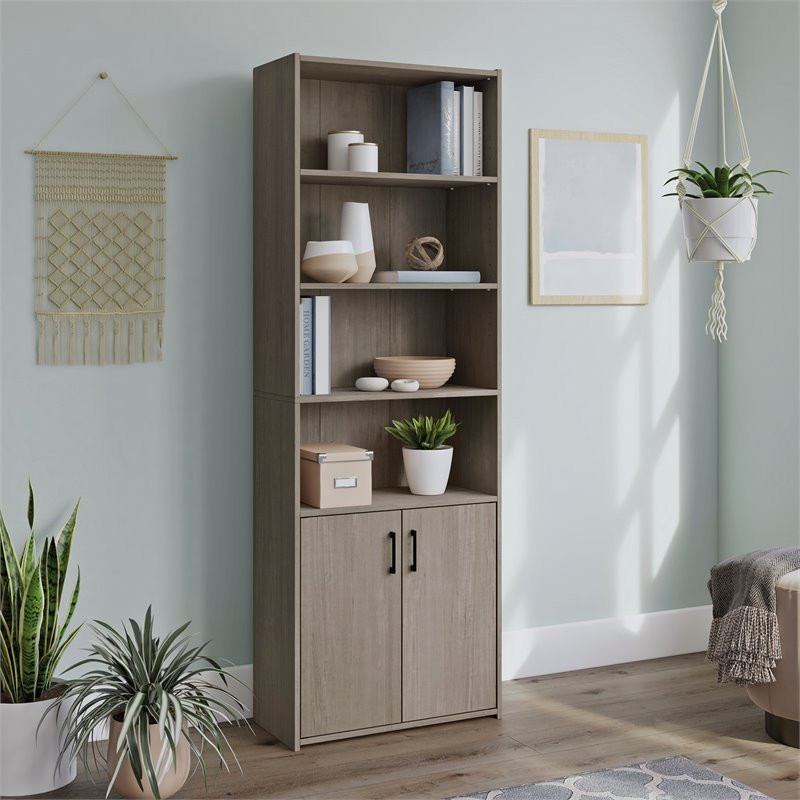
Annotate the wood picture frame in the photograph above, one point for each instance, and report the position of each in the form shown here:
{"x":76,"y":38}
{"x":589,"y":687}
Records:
{"x":588,"y":243}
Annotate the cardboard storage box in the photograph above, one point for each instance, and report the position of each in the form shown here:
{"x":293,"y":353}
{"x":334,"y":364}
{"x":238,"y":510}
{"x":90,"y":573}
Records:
{"x":333,"y":475}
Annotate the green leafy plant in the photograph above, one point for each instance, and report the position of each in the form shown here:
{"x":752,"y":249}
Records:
{"x":423,"y":433}
{"x":32,"y":637}
{"x":142,"y":680}
{"x":724,"y":181}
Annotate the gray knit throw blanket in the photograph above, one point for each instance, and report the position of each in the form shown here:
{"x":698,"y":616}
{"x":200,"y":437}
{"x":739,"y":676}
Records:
{"x":744,"y":638}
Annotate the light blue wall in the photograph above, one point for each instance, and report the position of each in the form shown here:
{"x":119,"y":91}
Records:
{"x":610,"y":414}
{"x":758,"y":367}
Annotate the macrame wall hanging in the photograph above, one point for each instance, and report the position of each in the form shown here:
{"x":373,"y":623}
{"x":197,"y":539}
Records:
{"x":720,"y":222}
{"x":100,"y":238}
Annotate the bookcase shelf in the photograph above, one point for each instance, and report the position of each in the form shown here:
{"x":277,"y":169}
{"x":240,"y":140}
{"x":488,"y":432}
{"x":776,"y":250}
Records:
{"x":297,"y":100}
{"x":325,"y":176}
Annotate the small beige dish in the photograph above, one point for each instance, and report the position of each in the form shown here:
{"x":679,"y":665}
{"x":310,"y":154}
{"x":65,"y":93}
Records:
{"x":370,"y":384}
{"x":329,"y":262}
{"x":431,"y":371}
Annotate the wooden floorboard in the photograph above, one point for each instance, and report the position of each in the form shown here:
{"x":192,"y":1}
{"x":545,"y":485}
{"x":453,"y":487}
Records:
{"x":552,"y":726}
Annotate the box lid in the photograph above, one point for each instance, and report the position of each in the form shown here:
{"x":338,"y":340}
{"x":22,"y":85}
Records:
{"x":327,"y":452}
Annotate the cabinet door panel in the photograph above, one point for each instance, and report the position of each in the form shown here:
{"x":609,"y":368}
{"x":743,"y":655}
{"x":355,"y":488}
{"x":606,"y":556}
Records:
{"x":449,"y":610}
{"x":350,"y":634}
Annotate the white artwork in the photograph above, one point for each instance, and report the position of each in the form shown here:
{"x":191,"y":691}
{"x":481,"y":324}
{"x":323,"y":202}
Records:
{"x":588,"y":218}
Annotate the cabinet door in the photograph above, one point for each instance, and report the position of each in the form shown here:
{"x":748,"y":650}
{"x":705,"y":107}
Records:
{"x":449,"y":610}
{"x":350,"y":632}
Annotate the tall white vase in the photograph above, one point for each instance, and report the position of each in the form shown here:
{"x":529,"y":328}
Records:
{"x":357,"y":229}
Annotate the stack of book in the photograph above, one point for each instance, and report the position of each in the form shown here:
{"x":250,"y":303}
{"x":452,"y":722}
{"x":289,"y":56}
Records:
{"x":444,"y":129}
{"x":315,"y":345}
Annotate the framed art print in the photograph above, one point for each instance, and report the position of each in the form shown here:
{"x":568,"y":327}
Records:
{"x":588,"y":226}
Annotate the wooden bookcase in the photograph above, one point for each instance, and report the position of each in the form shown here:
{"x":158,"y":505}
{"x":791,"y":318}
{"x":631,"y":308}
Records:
{"x":343,"y":647}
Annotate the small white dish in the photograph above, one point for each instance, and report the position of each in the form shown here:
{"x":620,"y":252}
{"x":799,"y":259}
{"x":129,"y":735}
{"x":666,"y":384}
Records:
{"x":405,"y":385}
{"x":370,"y":384}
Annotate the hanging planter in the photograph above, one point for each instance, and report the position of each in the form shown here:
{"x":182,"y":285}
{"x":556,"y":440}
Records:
{"x":719,"y":207}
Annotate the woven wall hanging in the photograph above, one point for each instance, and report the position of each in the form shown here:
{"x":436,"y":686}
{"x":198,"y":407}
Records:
{"x":100,"y":239}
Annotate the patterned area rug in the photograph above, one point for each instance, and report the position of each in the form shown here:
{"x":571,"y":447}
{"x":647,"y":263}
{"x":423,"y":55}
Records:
{"x":673,"y":778}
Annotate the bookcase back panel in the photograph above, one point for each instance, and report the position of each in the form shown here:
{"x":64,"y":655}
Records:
{"x":362,"y":425}
{"x":472,"y":230}
{"x":471,"y":338}
{"x":396,"y":215}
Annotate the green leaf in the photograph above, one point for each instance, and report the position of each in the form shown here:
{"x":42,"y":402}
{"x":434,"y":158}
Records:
{"x":30,"y":504}
{"x":131,"y":716}
{"x":64,"y":547}
{"x":29,"y":631}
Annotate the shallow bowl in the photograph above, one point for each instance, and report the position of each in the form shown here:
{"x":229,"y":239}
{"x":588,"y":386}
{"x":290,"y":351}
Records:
{"x":431,"y":371}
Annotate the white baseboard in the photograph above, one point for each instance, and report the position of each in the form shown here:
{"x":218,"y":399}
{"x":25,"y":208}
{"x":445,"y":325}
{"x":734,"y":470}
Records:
{"x":600,"y":642}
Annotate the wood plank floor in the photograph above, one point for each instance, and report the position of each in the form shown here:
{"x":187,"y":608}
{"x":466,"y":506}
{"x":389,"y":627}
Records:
{"x":552,"y":726}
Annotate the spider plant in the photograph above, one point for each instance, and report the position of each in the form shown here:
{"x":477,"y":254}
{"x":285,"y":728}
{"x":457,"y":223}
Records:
{"x":142,"y":680}
{"x":423,"y":433}
{"x":32,"y":636}
{"x":724,"y":181}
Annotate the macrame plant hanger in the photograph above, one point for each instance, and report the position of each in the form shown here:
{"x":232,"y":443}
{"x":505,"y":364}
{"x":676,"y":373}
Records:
{"x":100,"y":251}
{"x":716,"y":325}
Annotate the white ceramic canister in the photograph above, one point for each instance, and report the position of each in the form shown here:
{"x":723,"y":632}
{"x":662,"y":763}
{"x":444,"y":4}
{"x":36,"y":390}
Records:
{"x":363,"y":157}
{"x":338,"y":142}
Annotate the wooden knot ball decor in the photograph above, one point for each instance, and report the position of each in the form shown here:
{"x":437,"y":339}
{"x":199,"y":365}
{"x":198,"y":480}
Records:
{"x":425,"y":253}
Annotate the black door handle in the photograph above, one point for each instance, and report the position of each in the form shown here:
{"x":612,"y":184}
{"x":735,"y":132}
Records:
{"x":413,"y":566}
{"x":393,"y":567}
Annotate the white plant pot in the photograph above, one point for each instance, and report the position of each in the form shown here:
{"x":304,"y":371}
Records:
{"x":28,"y":761}
{"x":737,"y":227}
{"x":427,"y":471}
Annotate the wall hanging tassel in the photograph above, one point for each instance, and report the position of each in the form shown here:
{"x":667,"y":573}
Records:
{"x":100,"y":234}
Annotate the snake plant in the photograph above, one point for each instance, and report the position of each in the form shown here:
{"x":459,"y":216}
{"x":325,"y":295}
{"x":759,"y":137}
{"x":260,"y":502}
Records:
{"x":424,"y":433}
{"x":32,"y":636}
{"x":142,"y":680}
{"x":724,"y":181}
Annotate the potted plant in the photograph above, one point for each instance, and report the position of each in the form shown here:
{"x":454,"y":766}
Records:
{"x":426,"y":457}
{"x":33,"y":638}
{"x":720,"y":198}
{"x":149,"y":690}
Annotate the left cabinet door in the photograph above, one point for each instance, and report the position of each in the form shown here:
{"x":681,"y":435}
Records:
{"x":350,"y":622}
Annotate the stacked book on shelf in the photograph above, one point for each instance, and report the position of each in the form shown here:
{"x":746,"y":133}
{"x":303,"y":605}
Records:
{"x":444,"y":129}
{"x":315,"y":345}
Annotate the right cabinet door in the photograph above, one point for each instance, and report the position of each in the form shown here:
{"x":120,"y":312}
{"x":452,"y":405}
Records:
{"x":449,"y":610}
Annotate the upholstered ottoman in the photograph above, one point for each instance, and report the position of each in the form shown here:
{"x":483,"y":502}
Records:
{"x":781,"y":699}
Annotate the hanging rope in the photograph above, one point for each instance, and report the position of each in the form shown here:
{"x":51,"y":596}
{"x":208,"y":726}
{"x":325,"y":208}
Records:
{"x":102,"y":76}
{"x":716,"y":326}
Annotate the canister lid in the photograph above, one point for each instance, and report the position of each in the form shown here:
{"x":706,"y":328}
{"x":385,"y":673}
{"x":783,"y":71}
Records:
{"x":362,"y":144}
{"x":330,"y":132}
{"x":327,"y":452}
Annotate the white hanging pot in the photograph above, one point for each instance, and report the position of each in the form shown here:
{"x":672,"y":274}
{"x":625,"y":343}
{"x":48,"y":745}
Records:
{"x":427,"y":471}
{"x":720,"y":228}
{"x":27,"y":758}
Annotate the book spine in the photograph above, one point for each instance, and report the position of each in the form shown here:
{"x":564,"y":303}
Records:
{"x":322,"y":345}
{"x":306,"y":349}
{"x":429,"y":129}
{"x":467,"y":96}
{"x":449,"y":165}
{"x":477,"y":133}
{"x":457,"y":131}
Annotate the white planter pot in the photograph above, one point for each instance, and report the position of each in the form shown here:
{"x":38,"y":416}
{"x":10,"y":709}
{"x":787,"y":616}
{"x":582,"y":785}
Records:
{"x":28,"y":762}
{"x":427,"y":471}
{"x":737,"y":227}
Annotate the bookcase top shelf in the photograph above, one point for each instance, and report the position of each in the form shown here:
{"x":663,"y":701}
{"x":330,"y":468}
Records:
{"x":359,"y":71}
{"x":355,"y":396}
{"x":411,"y":180}
{"x":364,"y":287}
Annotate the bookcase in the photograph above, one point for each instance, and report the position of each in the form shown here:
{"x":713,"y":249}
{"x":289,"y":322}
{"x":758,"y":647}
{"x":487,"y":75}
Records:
{"x":343,"y":646}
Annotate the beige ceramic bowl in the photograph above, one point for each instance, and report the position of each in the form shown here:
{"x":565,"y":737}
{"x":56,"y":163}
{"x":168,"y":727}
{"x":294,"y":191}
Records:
{"x":431,"y":371}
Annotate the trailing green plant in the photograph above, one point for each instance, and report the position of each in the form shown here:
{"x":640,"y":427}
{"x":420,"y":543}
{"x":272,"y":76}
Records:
{"x":424,"y":433}
{"x":32,"y":636}
{"x":142,"y":680}
{"x":724,"y":181}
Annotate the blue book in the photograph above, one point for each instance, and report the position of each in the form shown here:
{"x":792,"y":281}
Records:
{"x":306,"y":345}
{"x":430,"y":128}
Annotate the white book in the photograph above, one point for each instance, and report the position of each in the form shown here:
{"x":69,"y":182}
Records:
{"x":457,"y":130}
{"x":322,"y":345}
{"x":427,"y":276}
{"x":306,"y":350}
{"x":467,"y":95}
{"x":477,"y":133}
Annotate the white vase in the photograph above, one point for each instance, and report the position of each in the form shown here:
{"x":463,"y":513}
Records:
{"x":27,"y":760}
{"x":427,"y":471}
{"x":356,"y":228}
{"x":737,"y":219}
{"x":329,"y":262}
